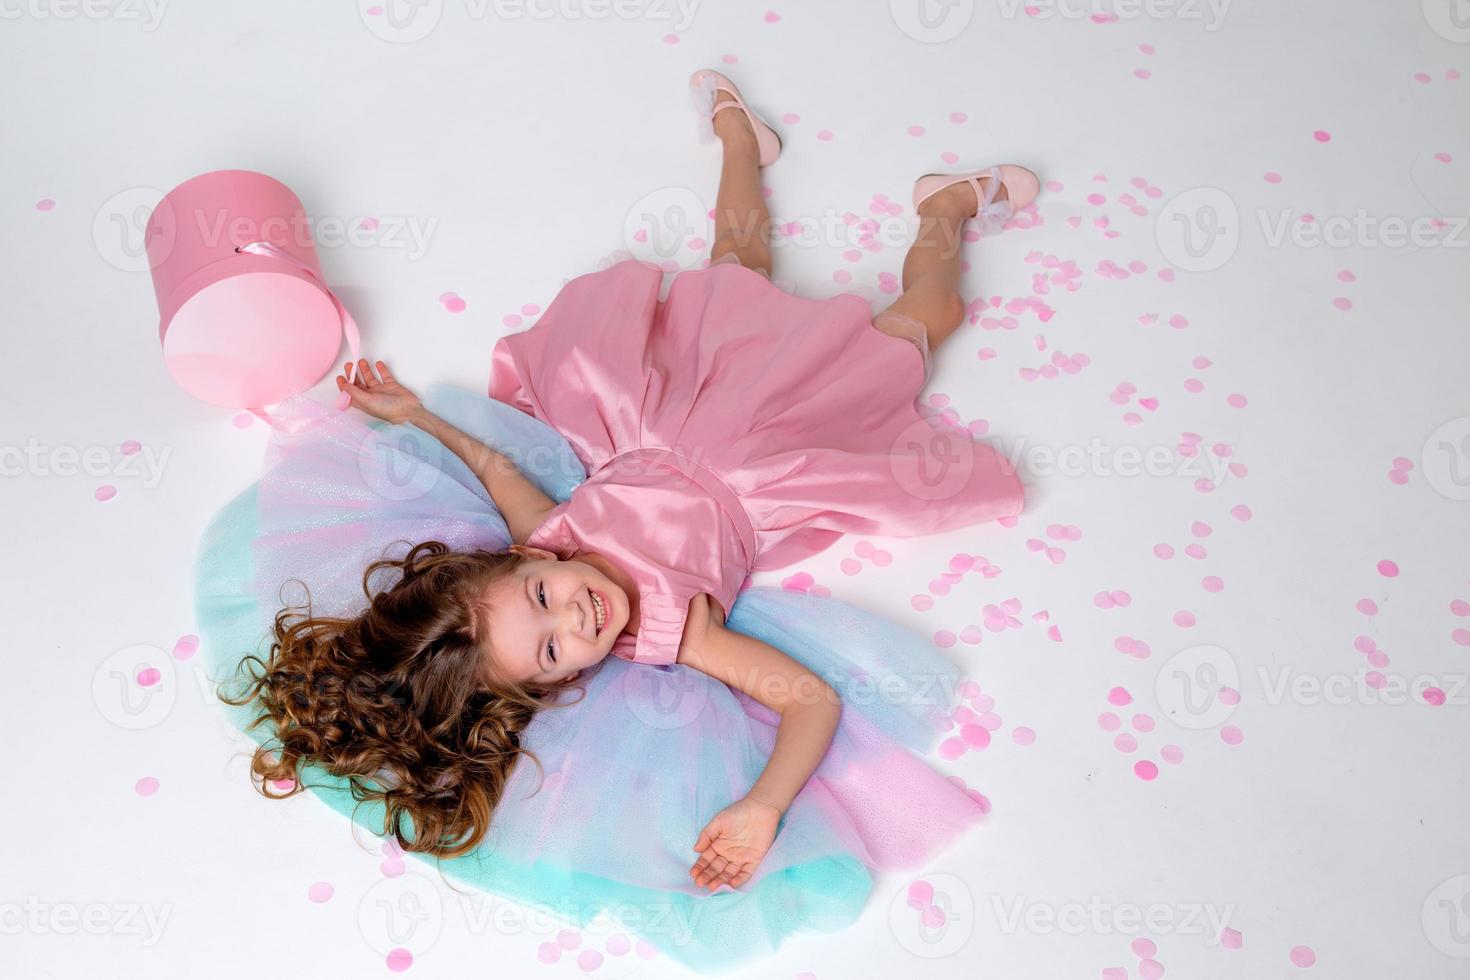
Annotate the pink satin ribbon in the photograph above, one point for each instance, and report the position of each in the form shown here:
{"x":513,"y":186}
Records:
{"x":349,"y":327}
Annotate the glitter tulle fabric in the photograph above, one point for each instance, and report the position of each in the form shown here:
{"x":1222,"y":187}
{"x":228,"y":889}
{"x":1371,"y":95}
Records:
{"x":633,"y":772}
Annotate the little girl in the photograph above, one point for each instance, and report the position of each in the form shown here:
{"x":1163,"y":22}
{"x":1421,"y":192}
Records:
{"x":728,"y":429}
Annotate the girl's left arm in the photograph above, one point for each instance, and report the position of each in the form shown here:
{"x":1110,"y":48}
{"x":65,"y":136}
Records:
{"x":737,"y":838}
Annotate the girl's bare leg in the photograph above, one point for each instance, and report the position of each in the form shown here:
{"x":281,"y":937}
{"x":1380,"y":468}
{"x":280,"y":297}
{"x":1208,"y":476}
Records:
{"x":931,"y":270}
{"x":742,"y":223}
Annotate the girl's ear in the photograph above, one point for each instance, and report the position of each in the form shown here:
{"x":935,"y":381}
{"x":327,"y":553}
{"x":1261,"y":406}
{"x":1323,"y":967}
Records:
{"x":531,"y":552}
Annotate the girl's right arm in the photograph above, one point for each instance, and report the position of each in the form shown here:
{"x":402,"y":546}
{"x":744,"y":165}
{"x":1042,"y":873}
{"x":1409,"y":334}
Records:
{"x":519,"y":501}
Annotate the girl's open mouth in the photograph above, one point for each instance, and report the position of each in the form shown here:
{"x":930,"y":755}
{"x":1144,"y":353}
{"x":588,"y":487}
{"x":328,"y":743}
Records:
{"x":600,"y":608}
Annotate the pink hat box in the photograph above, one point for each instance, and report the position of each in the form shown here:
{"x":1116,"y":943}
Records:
{"x":245,"y":317}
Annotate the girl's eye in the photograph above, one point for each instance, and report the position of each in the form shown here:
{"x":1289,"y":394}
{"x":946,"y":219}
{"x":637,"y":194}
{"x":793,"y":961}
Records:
{"x":541,"y":594}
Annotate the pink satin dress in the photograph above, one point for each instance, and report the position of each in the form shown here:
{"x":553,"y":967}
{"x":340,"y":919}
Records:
{"x":733,"y":427}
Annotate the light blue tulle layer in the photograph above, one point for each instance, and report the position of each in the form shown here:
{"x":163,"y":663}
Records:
{"x":631,"y":773}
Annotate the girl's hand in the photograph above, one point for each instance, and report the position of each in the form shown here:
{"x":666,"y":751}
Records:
{"x":381,"y":397}
{"x":734,"y":842}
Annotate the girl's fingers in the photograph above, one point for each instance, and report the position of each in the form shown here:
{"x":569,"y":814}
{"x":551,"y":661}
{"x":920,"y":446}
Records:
{"x":384,"y":373}
{"x":367,"y":373}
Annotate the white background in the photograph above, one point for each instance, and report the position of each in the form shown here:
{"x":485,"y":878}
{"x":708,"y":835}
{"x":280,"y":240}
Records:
{"x":524,"y":142}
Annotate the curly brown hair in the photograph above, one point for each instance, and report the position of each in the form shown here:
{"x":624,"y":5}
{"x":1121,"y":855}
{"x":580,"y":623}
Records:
{"x":400,"y":700}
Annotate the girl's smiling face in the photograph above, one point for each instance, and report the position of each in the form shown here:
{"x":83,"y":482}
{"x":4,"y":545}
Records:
{"x":550,"y":619}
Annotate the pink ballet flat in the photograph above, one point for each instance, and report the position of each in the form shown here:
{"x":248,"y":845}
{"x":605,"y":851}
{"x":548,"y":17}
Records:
{"x":1021,"y":187}
{"x":703,"y":85}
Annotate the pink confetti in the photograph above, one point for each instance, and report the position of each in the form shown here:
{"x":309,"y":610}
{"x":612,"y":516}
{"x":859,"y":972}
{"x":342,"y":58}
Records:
{"x":1303,"y":956}
{"x":1322,"y":136}
{"x":320,"y":891}
{"x":1146,"y":770}
{"x":1388,"y":569}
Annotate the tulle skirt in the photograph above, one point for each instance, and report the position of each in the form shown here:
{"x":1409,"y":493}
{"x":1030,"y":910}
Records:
{"x":605,"y":827}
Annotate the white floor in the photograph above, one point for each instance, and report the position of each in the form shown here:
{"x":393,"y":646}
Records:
{"x":503,"y":152}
